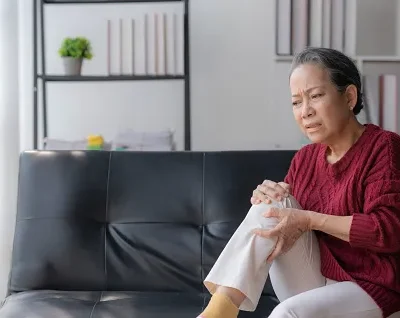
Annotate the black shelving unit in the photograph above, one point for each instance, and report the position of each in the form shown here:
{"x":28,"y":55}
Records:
{"x":38,"y":13}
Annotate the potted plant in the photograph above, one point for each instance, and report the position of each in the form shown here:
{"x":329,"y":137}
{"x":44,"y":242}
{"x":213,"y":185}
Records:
{"x":73,"y":51}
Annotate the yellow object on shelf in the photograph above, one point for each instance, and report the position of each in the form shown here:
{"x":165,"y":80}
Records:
{"x":95,"y":142}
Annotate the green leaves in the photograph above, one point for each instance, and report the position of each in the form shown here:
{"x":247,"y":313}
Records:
{"x":78,"y":47}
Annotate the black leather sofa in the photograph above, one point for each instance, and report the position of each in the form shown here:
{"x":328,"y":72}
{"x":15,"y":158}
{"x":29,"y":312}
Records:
{"x":128,"y":235}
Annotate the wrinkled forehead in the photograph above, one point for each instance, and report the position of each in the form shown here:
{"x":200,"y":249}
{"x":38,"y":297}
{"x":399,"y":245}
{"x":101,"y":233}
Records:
{"x":308,"y":76}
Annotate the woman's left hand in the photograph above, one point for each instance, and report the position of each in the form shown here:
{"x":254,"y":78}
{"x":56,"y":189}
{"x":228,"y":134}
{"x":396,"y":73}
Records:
{"x":292,"y":224}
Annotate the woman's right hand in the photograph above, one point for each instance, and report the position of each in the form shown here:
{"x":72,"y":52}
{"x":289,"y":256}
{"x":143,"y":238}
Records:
{"x":270,"y":190}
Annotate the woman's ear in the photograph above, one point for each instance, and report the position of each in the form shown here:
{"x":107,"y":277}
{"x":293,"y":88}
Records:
{"x":351,"y":96}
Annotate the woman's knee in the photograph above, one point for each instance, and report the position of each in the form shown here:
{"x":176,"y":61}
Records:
{"x":256,"y":217}
{"x":284,"y":310}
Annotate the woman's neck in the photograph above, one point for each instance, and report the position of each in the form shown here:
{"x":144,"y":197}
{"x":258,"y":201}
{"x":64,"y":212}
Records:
{"x":347,"y":138}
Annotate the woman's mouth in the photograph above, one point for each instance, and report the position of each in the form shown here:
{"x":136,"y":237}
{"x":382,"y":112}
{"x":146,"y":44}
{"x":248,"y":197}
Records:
{"x":312,"y":127}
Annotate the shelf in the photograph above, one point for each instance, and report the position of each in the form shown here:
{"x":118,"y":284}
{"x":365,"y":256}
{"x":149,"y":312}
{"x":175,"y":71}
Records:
{"x":372,"y":58}
{"x":379,"y":58}
{"x":95,"y":78}
{"x":105,"y":1}
{"x":39,"y":46}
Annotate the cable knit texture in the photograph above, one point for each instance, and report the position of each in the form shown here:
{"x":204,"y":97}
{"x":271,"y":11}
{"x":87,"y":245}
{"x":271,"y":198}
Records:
{"x":364,"y":183}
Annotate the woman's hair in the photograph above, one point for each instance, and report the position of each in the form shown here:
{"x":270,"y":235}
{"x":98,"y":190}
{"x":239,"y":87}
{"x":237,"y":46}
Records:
{"x":342,"y":70}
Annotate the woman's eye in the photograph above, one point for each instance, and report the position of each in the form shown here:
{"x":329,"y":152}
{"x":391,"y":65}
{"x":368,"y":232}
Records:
{"x":316,"y":96}
{"x":296,"y":103}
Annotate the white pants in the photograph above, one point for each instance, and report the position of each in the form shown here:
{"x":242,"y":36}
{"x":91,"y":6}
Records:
{"x":295,"y":276}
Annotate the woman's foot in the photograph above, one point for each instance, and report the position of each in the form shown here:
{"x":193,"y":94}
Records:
{"x":220,"y":306}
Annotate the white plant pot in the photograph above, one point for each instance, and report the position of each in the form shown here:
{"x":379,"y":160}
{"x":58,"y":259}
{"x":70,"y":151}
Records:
{"x":72,"y":66}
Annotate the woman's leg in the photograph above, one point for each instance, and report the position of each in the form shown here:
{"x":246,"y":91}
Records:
{"x":299,"y":269}
{"x":241,"y":270}
{"x":338,"y":300}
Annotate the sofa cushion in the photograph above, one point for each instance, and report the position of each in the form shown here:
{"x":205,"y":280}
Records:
{"x":131,"y":221}
{"x":108,"y":234}
{"x":34,"y":304}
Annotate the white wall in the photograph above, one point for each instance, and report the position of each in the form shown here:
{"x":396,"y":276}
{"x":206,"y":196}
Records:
{"x":375,"y":19}
{"x":238,"y":97}
{"x":9,"y":138}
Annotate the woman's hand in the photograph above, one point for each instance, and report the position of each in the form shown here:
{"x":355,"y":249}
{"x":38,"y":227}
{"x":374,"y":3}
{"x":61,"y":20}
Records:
{"x":270,"y":190}
{"x":292,"y":224}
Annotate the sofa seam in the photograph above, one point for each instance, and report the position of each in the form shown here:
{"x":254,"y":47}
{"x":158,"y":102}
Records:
{"x":106,"y":222}
{"x":95,"y":304}
{"x":4,"y":302}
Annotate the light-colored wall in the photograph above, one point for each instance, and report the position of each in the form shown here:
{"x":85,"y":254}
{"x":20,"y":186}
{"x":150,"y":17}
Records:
{"x":377,"y":27}
{"x":239,"y":96}
{"x":8,"y":133}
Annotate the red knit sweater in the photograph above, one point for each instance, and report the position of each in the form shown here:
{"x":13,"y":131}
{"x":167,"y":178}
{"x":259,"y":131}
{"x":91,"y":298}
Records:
{"x":364,"y":183}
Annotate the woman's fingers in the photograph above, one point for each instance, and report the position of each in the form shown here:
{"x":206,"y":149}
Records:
{"x":270,"y":190}
{"x":280,"y":188}
{"x":276,"y":251}
{"x":258,"y":194}
{"x":274,"y":232}
{"x":286,"y":186}
{"x":273,"y":190}
{"x":254,"y":200}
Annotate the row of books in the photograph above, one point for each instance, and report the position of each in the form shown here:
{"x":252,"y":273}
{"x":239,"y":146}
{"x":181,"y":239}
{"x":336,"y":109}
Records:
{"x":302,"y":23}
{"x":150,"y":45}
{"x":380,"y":101}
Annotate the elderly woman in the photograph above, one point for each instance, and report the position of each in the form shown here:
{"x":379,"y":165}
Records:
{"x":329,"y":235}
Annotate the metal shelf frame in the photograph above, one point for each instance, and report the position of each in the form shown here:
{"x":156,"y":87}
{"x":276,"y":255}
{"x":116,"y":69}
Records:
{"x":39,"y":36}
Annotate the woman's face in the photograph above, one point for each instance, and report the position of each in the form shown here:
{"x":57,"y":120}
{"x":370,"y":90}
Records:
{"x":320,"y":110}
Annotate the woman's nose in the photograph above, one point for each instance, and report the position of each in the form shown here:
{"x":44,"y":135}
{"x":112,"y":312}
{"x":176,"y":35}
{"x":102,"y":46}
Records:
{"x":306,"y":111}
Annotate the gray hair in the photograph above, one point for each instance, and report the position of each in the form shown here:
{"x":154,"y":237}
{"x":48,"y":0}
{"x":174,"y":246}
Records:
{"x":342,"y":70}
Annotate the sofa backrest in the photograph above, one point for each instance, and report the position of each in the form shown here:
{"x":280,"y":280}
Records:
{"x":138,"y":221}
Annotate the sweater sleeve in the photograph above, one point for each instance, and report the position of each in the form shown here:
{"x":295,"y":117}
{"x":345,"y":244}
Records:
{"x":289,"y":178}
{"x":378,"y":227}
